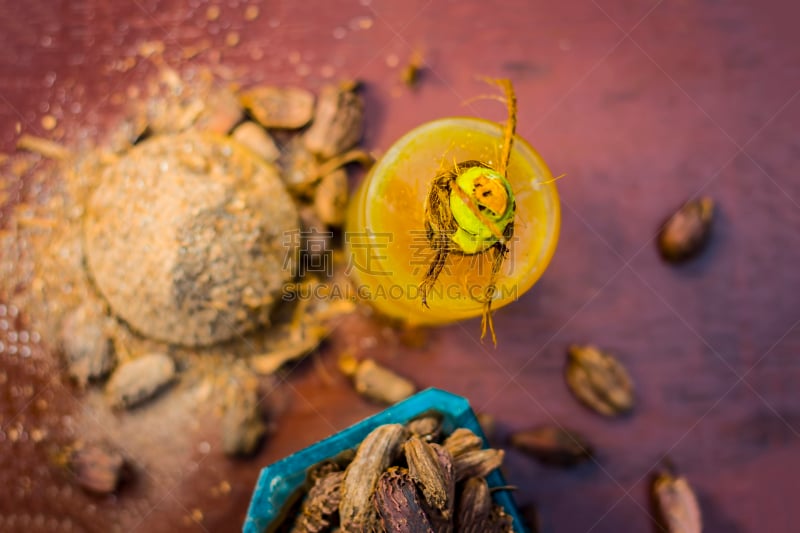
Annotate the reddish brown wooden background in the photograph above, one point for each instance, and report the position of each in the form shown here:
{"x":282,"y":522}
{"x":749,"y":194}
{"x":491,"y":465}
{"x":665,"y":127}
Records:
{"x":642,"y":104}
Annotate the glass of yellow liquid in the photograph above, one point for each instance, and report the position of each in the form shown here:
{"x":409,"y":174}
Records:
{"x":387,"y":246}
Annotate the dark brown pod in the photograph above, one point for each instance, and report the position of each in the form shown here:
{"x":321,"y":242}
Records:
{"x":552,"y":445}
{"x":321,"y":504}
{"x":433,"y":475}
{"x":599,"y":380}
{"x":338,"y":121}
{"x":428,"y":427}
{"x":674,"y":504}
{"x":98,"y":468}
{"x":461,"y":441}
{"x":474,"y":506}
{"x":398,"y":504}
{"x":477,"y":463}
{"x":686,"y":232}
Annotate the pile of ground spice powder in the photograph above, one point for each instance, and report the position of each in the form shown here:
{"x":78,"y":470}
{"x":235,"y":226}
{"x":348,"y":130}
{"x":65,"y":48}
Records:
{"x":157,"y":263}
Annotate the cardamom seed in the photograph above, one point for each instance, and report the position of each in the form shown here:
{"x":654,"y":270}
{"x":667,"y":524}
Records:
{"x":552,"y":445}
{"x":686,"y":232}
{"x":599,"y":380}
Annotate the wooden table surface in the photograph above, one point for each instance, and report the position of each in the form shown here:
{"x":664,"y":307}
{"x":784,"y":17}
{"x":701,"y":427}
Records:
{"x":642,"y":104}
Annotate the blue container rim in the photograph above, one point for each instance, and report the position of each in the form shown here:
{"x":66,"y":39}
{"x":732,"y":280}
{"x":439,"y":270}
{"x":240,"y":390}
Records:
{"x":278,"y":481}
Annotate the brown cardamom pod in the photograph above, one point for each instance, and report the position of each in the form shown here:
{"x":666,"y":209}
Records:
{"x":428,"y":427}
{"x":398,"y":504}
{"x":98,"y":467}
{"x":279,"y":107}
{"x":374,"y":455}
{"x":330,"y":198}
{"x":477,"y":463}
{"x":321,"y":503}
{"x":675,"y":504}
{"x":474,"y":507}
{"x":461,"y":441}
{"x":426,"y":470}
{"x":599,"y":381}
{"x":685,"y":233}
{"x":376,"y":382}
{"x":443,"y":519}
{"x":338,"y":121}
{"x":552,"y":445}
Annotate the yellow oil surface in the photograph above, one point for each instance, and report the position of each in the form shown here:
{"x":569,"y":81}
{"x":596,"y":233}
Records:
{"x":387,"y":249}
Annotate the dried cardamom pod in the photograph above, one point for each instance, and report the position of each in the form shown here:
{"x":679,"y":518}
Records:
{"x":599,"y":381}
{"x":321,"y":503}
{"x":138,"y":380}
{"x":330,"y":198}
{"x":88,"y":350}
{"x":376,"y":382}
{"x":374,"y":455}
{"x":221,"y":112}
{"x":279,"y":107}
{"x":427,"y":427}
{"x":552,"y":445}
{"x":398,"y":504}
{"x":474,"y":506}
{"x":433,"y":474}
{"x":477,"y":463}
{"x":443,"y":519}
{"x":338,"y":121}
{"x":337,"y":463}
{"x":462,"y":440}
{"x":98,"y":467}
{"x":257,"y":139}
{"x":685,"y":233}
{"x":675,"y":504}
{"x":299,"y":168}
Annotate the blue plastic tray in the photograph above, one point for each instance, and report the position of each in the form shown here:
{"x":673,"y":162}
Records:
{"x":280,"y":480}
